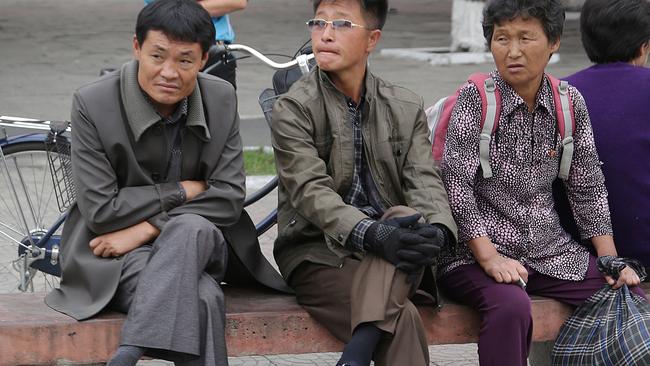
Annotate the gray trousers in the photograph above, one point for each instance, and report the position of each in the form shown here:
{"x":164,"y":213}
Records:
{"x":175,"y":308}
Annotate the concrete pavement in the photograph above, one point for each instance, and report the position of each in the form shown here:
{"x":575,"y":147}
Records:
{"x":49,"y":48}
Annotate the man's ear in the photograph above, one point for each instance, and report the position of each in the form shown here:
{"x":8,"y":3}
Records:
{"x":204,"y":59}
{"x":136,"y":48}
{"x":373,"y":39}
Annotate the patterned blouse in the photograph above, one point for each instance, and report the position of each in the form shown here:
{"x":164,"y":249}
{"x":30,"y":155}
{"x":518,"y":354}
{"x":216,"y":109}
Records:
{"x":515,"y":208}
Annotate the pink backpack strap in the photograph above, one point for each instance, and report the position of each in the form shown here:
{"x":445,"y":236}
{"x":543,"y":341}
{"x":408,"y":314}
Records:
{"x":566,"y":122}
{"x":490,"y":113}
{"x":479,"y":79}
{"x":438,"y":117}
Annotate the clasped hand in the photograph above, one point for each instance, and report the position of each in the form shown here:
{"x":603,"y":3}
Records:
{"x":120,"y":242}
{"x":404,"y":242}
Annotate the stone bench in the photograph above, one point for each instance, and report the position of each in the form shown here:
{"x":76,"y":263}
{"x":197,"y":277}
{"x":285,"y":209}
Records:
{"x":258,"y":323}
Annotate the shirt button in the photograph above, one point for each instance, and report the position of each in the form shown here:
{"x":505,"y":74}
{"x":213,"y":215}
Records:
{"x":340,"y":237}
{"x":292,"y":222}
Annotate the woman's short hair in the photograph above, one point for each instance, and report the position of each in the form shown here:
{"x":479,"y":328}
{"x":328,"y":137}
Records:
{"x":180,"y":20}
{"x":549,"y":12}
{"x":614,"y":30}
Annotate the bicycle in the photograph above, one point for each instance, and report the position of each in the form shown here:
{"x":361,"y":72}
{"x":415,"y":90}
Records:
{"x":36,"y":166}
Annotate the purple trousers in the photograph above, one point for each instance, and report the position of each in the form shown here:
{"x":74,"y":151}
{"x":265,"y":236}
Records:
{"x":506,"y":321}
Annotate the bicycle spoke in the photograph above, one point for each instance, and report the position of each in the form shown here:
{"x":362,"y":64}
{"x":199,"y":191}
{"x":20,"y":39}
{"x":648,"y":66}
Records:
{"x":13,"y":240}
{"x":10,"y":228}
{"x":29,"y":201}
{"x":34,"y":183}
{"x":40,"y":214}
{"x":9,"y":209}
{"x":27,"y":195}
{"x":13,"y":198}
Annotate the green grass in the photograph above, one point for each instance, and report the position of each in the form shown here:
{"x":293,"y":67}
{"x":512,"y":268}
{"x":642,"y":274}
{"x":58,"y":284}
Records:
{"x":259,"y":162}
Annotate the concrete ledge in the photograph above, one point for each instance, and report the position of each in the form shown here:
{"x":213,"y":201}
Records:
{"x":443,"y":56}
{"x":257,"y":323}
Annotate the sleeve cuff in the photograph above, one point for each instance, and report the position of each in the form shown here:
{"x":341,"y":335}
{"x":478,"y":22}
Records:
{"x":159,"y":220}
{"x":355,"y":240}
{"x":171,"y":195}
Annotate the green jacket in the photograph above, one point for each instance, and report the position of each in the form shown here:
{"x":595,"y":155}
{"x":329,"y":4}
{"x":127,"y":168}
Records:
{"x":312,"y":139}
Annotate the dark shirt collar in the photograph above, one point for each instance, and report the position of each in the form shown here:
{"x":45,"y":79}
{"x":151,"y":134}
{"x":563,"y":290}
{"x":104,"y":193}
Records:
{"x":179,"y":112}
{"x":510,"y":100}
{"x":366,"y":94}
{"x":141,"y":114}
{"x":352,"y":104}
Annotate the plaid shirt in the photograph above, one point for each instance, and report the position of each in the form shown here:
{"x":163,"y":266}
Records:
{"x":361,"y":181}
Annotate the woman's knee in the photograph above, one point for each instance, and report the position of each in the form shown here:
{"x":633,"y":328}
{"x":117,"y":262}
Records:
{"x":511,"y":306}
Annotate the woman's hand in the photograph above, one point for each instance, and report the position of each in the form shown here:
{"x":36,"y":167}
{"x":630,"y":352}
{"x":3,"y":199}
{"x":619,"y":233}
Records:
{"x":627,"y":276}
{"x":504,"y":270}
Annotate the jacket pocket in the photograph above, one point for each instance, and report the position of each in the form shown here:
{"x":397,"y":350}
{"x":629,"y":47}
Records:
{"x":298,"y":228}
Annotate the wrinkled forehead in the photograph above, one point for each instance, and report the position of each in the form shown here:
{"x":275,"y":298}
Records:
{"x":158,"y":39}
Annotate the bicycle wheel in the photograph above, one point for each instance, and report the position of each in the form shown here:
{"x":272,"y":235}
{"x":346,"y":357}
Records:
{"x":28,"y":208}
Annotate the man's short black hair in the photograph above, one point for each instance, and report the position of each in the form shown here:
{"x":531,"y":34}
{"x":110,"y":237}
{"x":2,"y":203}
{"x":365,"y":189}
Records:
{"x":374,"y":11}
{"x":180,"y":20}
{"x":549,"y":12}
{"x":614,"y":30}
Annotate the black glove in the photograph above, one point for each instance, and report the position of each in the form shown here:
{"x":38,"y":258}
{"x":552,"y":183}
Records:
{"x":416,"y":256}
{"x":433,"y":238}
{"x":385,"y":238}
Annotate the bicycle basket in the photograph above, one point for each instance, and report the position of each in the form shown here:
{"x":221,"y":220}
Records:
{"x":58,"y":156}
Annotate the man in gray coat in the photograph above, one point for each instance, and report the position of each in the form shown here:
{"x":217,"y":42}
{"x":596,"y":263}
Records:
{"x":158,"y":166}
{"x":362,"y":212}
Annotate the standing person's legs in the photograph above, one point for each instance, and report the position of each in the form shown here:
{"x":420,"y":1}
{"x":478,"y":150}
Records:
{"x":570,"y":292}
{"x":159,"y":288}
{"x":506,"y":320}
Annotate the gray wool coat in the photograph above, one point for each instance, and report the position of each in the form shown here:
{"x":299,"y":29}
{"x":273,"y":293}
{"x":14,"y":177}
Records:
{"x":119,"y":148}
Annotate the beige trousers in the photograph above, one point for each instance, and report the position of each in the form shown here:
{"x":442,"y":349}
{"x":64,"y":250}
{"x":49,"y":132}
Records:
{"x":361,"y":291}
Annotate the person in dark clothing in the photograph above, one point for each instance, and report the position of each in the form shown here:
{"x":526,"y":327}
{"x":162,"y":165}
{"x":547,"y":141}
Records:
{"x":616,"y":36}
{"x":159,"y":177}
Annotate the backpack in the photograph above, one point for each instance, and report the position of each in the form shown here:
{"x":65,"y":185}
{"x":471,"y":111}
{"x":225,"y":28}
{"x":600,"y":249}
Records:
{"x":439,"y":114}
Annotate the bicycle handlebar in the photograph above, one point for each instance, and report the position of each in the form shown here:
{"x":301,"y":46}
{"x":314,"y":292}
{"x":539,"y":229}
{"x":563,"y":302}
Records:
{"x":300,"y":60}
{"x":266,"y":60}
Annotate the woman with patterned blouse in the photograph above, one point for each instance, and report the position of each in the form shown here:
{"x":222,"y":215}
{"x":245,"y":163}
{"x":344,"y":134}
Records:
{"x":509,"y":231}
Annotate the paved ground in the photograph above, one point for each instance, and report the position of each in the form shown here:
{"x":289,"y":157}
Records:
{"x":48,"y":48}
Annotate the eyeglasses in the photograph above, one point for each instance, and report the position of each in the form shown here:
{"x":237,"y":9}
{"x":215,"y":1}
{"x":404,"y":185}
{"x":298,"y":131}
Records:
{"x":342,"y":24}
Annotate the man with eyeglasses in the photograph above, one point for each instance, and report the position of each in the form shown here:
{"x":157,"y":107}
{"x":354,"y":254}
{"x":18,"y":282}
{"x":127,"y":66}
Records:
{"x":362,"y":212}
